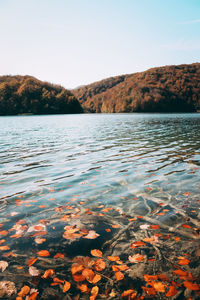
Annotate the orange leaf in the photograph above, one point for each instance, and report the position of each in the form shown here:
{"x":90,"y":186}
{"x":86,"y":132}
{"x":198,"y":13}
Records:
{"x":172,"y":291}
{"x":38,"y":227}
{"x":180,"y":272}
{"x":88,"y":274}
{"x":24,"y":291}
{"x":177,"y":238}
{"x":59,"y":255}
{"x":3,"y":232}
{"x":33,"y":296}
{"x":96,"y":278}
{"x":82,"y":287}
{"x":186,"y":226}
{"x":115,"y":226}
{"x":57,"y":280}
{"x":108,"y":230}
{"x":129,"y":293}
{"x":132,"y":219}
{"x":149,"y":291}
{"x":99,"y":265}
{"x":48,"y":273}
{"x":137,"y":244}
{"x":31,"y":261}
{"x":94,"y":292}
{"x":191,"y":286}
{"x":4,"y":248}
{"x":76,"y":268}
{"x":78,"y":277}
{"x":155,"y":226}
{"x":163,"y":277}
{"x":66,"y":286}
{"x":186,"y":194}
{"x":158,"y":286}
{"x":119,"y":275}
{"x":120,"y":268}
{"x":150,"y":277}
{"x":96,"y":252}
{"x":184,"y":261}
{"x":43,"y":253}
{"x":113,"y":258}
{"x":136,"y":258}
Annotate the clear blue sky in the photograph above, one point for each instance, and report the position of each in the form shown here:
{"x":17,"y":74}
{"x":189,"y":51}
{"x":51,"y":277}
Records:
{"x":74,"y":42}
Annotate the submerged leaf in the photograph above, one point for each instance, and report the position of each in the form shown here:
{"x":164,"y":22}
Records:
{"x":66,"y":286}
{"x":48,"y":273}
{"x":43,"y":253}
{"x":96,"y":252}
{"x":191,"y":286}
{"x":24,"y":291}
{"x":3,"y":265}
{"x":172,"y":291}
{"x":119,"y":275}
{"x":91,"y":235}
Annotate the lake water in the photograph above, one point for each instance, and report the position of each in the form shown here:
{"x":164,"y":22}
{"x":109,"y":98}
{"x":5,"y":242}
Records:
{"x":65,"y":170}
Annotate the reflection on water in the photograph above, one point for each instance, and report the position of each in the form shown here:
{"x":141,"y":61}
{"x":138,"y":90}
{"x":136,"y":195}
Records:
{"x":133,"y":163}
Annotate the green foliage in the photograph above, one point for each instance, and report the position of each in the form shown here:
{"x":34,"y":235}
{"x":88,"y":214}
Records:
{"x":25,"y":94}
{"x":164,"y":89}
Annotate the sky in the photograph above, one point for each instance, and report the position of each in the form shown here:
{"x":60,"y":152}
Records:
{"x":76,"y":42}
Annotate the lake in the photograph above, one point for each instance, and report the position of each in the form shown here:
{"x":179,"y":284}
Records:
{"x":125,"y":184}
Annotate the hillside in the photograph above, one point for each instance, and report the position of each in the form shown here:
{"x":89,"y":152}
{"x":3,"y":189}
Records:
{"x":163,"y":89}
{"x":26,"y":94}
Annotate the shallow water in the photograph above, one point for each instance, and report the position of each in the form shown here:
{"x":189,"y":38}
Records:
{"x":127,"y":162}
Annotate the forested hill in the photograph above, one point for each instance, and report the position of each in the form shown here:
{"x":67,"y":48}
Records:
{"x":163,"y":89}
{"x":26,"y":94}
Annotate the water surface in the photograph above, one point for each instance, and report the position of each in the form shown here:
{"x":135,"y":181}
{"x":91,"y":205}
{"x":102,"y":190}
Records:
{"x":134,"y":164}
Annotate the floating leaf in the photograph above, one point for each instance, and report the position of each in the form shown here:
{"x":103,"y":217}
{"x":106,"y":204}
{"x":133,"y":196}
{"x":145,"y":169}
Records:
{"x":96,"y":252}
